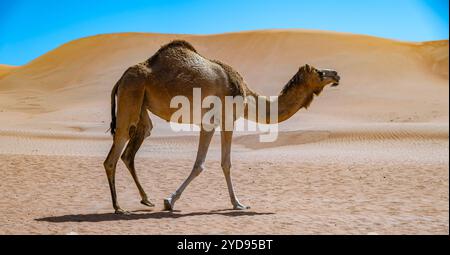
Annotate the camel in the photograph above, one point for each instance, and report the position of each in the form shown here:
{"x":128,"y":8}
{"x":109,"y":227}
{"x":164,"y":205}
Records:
{"x":175,"y":69}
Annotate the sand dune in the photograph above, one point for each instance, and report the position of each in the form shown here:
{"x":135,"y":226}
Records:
{"x":368,"y":156}
{"x":6,"y":69}
{"x":390,"y":80}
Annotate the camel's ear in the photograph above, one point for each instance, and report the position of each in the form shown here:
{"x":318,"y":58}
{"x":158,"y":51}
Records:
{"x":308,"y":68}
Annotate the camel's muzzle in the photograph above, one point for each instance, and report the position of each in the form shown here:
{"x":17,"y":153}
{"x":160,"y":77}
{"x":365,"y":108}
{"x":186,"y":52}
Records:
{"x":336,"y":79}
{"x":330,"y":74}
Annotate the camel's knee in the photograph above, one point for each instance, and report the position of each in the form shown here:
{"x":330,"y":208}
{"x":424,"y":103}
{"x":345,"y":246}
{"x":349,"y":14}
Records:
{"x":198,"y":169}
{"x":126,"y":158}
{"x":111,"y":160}
{"x":226,"y":166}
{"x":109,"y":166}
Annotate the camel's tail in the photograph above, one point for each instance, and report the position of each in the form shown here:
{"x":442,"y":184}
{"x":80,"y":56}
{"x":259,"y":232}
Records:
{"x":112,"y":126}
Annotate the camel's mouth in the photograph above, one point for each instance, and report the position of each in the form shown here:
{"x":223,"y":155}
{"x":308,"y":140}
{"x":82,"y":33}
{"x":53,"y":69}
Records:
{"x":336,"y":79}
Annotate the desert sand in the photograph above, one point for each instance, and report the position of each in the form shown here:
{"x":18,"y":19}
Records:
{"x":369,"y":156}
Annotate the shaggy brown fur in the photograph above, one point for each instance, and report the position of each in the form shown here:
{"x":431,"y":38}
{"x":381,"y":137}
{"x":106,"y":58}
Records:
{"x":293,"y":82}
{"x":236,"y":81}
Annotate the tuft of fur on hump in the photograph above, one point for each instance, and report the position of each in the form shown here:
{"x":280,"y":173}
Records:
{"x":173,"y":44}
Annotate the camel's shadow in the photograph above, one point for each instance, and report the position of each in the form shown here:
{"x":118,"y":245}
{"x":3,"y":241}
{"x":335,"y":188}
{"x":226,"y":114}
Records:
{"x":100,"y":217}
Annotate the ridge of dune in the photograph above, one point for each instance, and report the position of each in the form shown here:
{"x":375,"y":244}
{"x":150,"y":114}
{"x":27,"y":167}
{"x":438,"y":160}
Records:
{"x":437,"y":52}
{"x":105,"y":50}
{"x":390,"y":81}
{"x":6,"y":69}
{"x":266,"y":32}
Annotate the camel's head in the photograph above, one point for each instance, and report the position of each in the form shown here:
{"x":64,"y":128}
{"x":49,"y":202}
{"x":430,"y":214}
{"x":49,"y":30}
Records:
{"x":318,"y":79}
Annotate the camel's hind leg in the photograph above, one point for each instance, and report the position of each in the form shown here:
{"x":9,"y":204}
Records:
{"x":110,"y":168}
{"x":130,"y":98}
{"x":143,"y":130}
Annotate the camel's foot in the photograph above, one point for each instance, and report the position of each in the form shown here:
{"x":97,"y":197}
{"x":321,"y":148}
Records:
{"x":240,"y":206}
{"x":168,"y":204}
{"x":122,"y":211}
{"x":147,"y":203}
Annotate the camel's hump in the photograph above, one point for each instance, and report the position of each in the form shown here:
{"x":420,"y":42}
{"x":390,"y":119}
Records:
{"x":174,"y":44}
{"x":178,"y":43}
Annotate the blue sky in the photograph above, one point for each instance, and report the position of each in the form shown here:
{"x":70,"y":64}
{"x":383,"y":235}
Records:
{"x":30,"y":28}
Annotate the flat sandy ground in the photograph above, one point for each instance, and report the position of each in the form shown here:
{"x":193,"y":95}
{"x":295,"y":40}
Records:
{"x":369,"y":156}
{"x":385,"y":183}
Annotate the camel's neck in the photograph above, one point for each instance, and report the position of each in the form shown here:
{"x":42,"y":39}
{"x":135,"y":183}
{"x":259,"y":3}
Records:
{"x":294,"y":96}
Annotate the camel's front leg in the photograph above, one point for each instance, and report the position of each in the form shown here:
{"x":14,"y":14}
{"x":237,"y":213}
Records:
{"x":205,"y":140}
{"x":227,"y":137}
